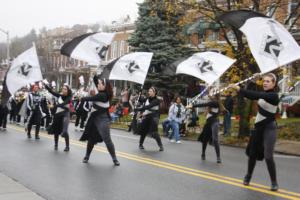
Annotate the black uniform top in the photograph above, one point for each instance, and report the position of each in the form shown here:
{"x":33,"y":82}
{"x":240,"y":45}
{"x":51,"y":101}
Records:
{"x":267,"y":104}
{"x":100,"y":100}
{"x":213,"y":109}
{"x":34,"y":101}
{"x":151,"y":105}
{"x":66,"y":99}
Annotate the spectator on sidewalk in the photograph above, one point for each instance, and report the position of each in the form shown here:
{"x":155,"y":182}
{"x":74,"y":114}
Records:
{"x":176,"y":117}
{"x":117,"y":112}
{"x":125,"y":97}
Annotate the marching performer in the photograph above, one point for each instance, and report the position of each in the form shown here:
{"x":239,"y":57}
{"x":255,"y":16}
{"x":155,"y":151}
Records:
{"x":82,"y":108}
{"x":3,"y":116}
{"x":211,"y":126}
{"x":263,"y":139}
{"x":34,"y":107}
{"x":97,"y":128}
{"x":61,"y":117}
{"x":150,"y":121}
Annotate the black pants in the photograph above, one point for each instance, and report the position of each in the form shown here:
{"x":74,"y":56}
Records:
{"x":34,"y":119}
{"x":269,"y":138}
{"x":65,"y":135}
{"x":3,"y":117}
{"x":12,"y":116}
{"x":102,"y":124}
{"x":215,"y":139}
{"x":149,"y":125}
{"x":80,"y":118}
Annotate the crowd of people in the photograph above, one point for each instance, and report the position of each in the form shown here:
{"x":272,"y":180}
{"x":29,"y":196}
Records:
{"x":43,"y":107}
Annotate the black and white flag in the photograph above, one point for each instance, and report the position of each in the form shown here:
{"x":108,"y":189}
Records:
{"x":90,"y":47}
{"x":130,"y":67}
{"x":270,"y":42}
{"x":207,"y":66}
{"x":25,"y":69}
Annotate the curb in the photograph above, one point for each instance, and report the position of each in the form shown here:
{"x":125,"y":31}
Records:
{"x":231,"y":145}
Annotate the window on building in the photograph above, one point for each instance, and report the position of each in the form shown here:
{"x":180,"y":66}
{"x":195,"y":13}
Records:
{"x":122,"y":48}
{"x":292,"y":10}
{"x":292,"y":7}
{"x":213,"y":36}
{"x":114,"y":49}
{"x":271,"y":10}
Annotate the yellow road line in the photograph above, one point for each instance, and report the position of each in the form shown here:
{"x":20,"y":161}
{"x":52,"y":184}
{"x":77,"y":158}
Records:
{"x":194,"y":172}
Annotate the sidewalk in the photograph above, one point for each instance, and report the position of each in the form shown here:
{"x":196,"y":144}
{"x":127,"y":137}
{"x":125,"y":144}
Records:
{"x":288,"y":147}
{"x":12,"y":190}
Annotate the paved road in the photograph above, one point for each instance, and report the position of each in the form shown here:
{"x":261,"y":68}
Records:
{"x":176,"y":173}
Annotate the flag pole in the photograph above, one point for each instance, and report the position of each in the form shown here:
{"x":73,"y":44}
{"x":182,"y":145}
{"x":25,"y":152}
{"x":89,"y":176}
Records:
{"x":199,"y":95}
{"x":238,"y":83}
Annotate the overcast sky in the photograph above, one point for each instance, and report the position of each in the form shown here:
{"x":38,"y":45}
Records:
{"x":20,"y":16}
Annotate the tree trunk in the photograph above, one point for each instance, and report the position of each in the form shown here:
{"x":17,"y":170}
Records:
{"x":245,"y":110}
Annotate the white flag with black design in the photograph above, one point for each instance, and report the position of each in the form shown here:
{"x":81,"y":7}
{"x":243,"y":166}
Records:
{"x":130,"y":67}
{"x":90,"y":47}
{"x":207,"y":66}
{"x":25,"y":69}
{"x":270,"y":42}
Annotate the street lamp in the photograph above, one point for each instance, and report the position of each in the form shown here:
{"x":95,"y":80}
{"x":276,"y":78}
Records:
{"x":7,"y":36}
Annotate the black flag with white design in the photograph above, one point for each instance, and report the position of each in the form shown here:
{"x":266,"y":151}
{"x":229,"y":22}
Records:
{"x":90,"y":47}
{"x":207,"y":66}
{"x":130,"y":67}
{"x":271,"y":44}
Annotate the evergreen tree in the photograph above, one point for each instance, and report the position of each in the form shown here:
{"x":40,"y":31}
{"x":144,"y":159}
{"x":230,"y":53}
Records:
{"x":157,"y":31}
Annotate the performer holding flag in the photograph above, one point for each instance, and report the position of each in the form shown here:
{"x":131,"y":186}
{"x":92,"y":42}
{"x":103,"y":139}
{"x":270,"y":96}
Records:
{"x":207,"y":66}
{"x":211,"y":126}
{"x":150,"y":120}
{"x":263,"y":139}
{"x":61,"y":117}
{"x":97,"y":128}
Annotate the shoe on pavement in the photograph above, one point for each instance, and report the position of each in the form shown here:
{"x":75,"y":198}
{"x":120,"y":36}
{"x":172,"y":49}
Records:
{"x":203,"y":157}
{"x":67,"y":149}
{"x":172,"y":140}
{"x":116,"y":162}
{"x":274,"y":187}
{"x":219,"y":160}
{"x":85,"y":159}
{"x":247,"y":180}
{"x":161,"y":148}
{"x":178,"y":142}
{"x":141,"y":146}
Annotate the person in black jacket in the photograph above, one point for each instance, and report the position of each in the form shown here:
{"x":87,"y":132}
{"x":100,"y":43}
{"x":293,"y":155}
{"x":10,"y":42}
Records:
{"x":3,"y":116}
{"x":263,"y":139}
{"x":82,"y":109}
{"x":211,"y":126}
{"x":149,"y":124}
{"x":97,"y":128}
{"x":61,"y":118}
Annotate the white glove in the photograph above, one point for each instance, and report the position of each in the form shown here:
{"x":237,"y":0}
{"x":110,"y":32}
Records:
{"x":45,"y":82}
